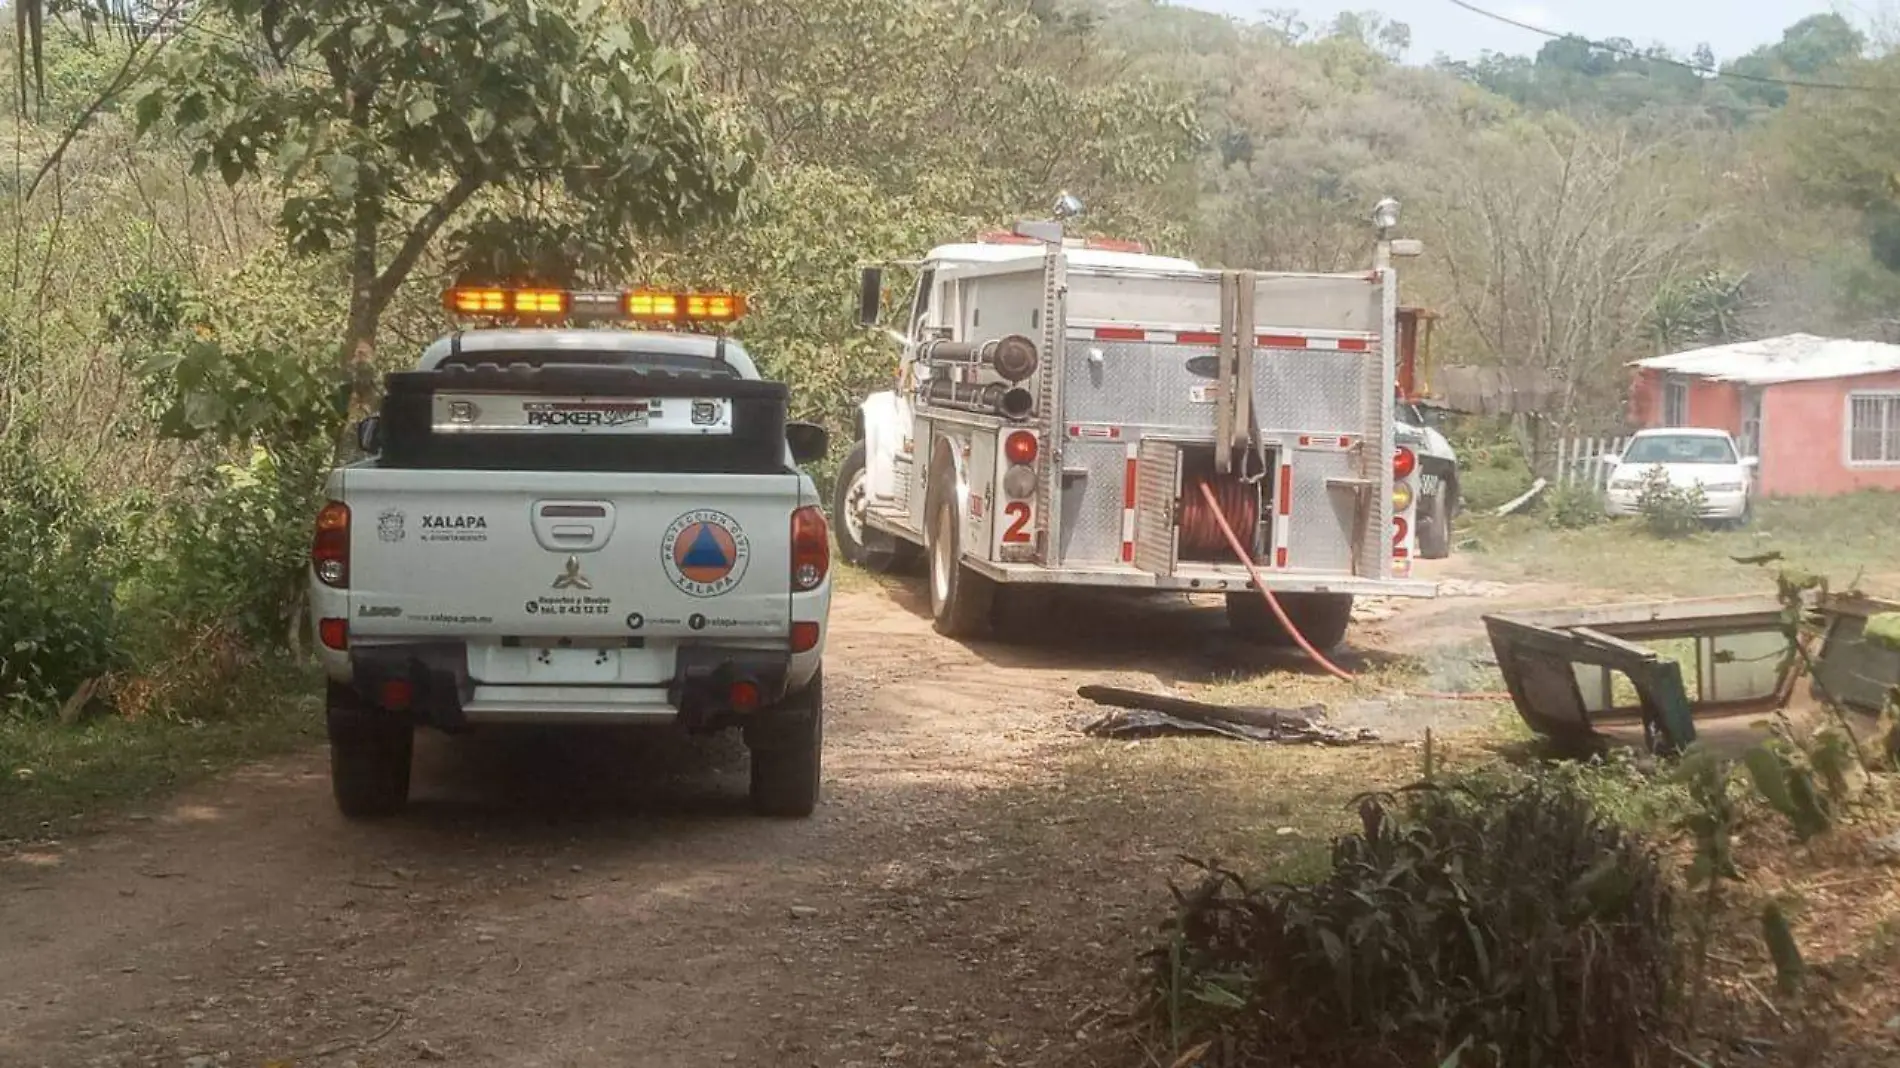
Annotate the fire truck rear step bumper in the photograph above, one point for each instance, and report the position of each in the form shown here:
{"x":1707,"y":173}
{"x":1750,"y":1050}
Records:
{"x":1204,"y":579}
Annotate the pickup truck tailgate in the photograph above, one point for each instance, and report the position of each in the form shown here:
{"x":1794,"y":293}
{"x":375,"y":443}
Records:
{"x":549,"y":554}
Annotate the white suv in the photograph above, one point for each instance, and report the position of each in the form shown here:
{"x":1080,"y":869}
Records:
{"x":1688,"y":456}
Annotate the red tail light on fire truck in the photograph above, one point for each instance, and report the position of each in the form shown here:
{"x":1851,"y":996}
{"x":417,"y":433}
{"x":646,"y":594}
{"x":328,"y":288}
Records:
{"x":1404,"y":466}
{"x":1015,"y":521}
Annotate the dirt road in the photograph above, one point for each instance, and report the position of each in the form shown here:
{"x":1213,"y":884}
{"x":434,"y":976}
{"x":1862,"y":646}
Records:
{"x":962,"y":898}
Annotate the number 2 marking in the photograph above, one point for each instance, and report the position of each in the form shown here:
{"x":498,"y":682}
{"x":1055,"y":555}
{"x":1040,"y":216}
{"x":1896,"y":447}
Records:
{"x":1018,"y":513}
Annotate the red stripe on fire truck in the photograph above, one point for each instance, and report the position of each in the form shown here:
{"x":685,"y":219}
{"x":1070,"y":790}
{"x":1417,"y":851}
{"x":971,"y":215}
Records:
{"x":1283,"y":514}
{"x":1153,"y":336}
{"x":1128,"y":505}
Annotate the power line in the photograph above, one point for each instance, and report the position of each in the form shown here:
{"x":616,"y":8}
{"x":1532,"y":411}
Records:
{"x":1792,"y":83}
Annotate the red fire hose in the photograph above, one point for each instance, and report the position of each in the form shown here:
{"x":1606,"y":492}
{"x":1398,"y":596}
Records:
{"x":1273,"y":603}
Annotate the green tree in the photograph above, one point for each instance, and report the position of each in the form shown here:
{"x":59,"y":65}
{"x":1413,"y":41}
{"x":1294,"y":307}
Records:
{"x":1708,"y":308}
{"x":385,"y":120}
{"x":977,"y":103}
{"x":30,"y":17}
{"x":1843,"y":149}
{"x":1555,"y":243}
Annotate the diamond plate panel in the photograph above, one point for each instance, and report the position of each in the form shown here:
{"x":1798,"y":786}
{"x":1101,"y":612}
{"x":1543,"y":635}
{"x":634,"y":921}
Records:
{"x":1295,"y":391}
{"x":1115,"y":389}
{"x":1092,"y":503}
{"x":1313,"y":390}
{"x":1157,"y":481}
{"x":1320,"y":531}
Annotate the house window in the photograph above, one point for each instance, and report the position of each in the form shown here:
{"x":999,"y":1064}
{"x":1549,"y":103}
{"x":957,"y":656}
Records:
{"x":1873,"y":428}
{"x":1751,"y":423}
{"x":1675,"y":402}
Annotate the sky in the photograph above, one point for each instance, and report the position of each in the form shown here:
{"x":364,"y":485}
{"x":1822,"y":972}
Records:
{"x":1730,"y":27}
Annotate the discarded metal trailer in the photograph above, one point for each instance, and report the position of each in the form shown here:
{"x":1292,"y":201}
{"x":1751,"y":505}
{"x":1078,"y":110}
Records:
{"x":1851,"y":670}
{"x":1570,"y":670}
{"x":1664,"y":664}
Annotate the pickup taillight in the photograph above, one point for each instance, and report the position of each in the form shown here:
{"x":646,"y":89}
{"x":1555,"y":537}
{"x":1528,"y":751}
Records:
{"x":330,"y":550}
{"x":811,"y":548}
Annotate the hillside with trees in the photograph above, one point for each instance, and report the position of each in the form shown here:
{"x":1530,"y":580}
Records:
{"x":224,"y":217}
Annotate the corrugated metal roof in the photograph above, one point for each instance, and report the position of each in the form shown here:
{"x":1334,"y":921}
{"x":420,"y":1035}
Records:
{"x":1792,"y":358}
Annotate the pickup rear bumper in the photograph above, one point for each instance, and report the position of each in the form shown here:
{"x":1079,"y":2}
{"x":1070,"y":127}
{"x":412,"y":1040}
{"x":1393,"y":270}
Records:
{"x":430,"y":683}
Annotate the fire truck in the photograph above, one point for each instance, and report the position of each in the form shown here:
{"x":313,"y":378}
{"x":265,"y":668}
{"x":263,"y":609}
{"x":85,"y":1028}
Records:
{"x":1079,"y":412}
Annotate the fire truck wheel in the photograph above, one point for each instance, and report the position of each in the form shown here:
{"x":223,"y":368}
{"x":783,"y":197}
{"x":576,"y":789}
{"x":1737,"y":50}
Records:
{"x":872,"y":550}
{"x":1322,"y":618}
{"x":1434,"y":525}
{"x":960,"y":599}
{"x":370,"y":755}
{"x":788,"y":752}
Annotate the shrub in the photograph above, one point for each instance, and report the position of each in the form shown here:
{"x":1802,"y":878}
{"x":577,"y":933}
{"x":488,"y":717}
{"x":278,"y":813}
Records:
{"x":1517,"y":929}
{"x":236,"y":551}
{"x":1669,"y":511}
{"x":59,"y":629}
{"x":1574,"y":507}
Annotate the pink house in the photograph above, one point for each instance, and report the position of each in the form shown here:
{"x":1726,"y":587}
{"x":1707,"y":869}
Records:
{"x":1822,"y":414}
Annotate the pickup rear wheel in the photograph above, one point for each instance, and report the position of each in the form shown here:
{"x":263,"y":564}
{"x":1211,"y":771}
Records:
{"x":960,"y":599}
{"x":370,"y":755}
{"x":860,"y":544}
{"x":788,"y":754}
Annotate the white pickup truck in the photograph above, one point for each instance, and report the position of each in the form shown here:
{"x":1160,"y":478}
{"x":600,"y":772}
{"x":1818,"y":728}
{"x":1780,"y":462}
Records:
{"x":575,"y":526}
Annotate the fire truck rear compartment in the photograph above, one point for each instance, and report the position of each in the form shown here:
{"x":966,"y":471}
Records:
{"x":1246,"y":505}
{"x":1126,"y":509}
{"x":1314,"y":411}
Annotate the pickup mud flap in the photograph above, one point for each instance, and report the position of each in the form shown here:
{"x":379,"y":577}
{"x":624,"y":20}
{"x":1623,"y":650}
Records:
{"x":439,"y":687}
{"x":436,"y":674}
{"x":703,"y":678}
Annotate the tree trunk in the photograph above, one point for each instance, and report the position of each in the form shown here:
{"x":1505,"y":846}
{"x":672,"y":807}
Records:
{"x":359,"y":336}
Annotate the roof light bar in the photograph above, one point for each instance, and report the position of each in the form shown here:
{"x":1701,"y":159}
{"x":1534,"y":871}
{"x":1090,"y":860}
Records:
{"x":636,"y":304}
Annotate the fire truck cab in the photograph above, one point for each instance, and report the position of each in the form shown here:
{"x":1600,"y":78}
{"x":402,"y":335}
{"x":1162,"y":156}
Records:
{"x":1080,"y":412}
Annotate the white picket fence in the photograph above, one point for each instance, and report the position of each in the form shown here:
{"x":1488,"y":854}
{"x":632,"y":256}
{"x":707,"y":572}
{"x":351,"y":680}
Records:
{"x":1579,"y":461}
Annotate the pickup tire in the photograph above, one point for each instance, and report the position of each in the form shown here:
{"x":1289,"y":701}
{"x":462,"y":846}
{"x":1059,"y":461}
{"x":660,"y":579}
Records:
{"x":1434,"y":524}
{"x":370,"y":754}
{"x":787,"y":754}
{"x":861,"y":546}
{"x":960,"y":599}
{"x":1322,"y":618}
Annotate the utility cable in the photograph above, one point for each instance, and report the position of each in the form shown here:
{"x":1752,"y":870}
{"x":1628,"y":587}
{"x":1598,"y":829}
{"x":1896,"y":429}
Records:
{"x":1631,"y":53}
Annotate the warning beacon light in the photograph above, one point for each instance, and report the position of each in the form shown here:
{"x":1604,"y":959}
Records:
{"x":634,"y":305}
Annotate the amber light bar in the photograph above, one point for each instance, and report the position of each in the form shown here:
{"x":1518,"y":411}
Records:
{"x":637,"y":304}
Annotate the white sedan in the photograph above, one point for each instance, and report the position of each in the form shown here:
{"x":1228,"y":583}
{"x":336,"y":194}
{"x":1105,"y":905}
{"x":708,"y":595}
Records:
{"x":1688,"y":457}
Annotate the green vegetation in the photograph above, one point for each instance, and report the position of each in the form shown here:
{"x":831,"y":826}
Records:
{"x":1668,"y":510}
{"x":1500,"y":911}
{"x":1574,"y":507}
{"x":1459,"y":926}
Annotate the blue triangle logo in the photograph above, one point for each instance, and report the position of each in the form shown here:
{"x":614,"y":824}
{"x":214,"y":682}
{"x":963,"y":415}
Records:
{"x":705,"y":551}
